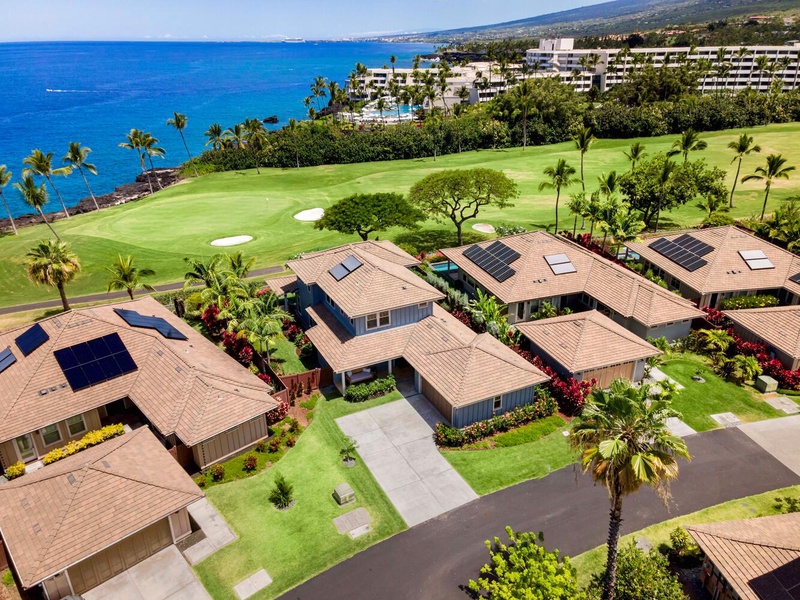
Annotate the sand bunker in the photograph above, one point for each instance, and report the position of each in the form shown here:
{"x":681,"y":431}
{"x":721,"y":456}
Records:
{"x":232,"y":241}
{"x":312,"y":214}
{"x":483,"y":228}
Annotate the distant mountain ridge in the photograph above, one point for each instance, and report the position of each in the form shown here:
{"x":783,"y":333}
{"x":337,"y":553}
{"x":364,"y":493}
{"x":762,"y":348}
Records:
{"x":618,"y":16}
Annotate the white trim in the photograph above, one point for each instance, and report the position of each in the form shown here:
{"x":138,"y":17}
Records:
{"x":83,"y":422}
{"x":42,"y":434}
{"x":33,"y":446}
{"x":377,"y":316}
{"x":495,"y":407}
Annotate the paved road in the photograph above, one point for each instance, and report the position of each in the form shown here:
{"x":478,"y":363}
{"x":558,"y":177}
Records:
{"x":116,"y":295}
{"x":432,"y":560}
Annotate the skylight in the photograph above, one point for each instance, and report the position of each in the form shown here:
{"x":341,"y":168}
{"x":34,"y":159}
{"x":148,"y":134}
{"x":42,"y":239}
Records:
{"x":560,"y":264}
{"x":344,"y":268}
{"x":756,"y":260}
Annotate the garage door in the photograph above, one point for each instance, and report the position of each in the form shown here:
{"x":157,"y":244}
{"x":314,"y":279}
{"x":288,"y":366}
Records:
{"x":437,"y":400}
{"x":122,"y":556}
{"x":606,"y":375}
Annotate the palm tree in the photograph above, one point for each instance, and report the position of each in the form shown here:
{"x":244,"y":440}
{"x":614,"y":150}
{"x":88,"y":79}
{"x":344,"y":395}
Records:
{"x":150,"y":148}
{"x":561,"y":176}
{"x":75,"y":158}
{"x":393,"y":61}
{"x":625,"y":444}
{"x":293,"y":129}
{"x":5,"y":178}
{"x":583,"y":140}
{"x":667,"y":170}
{"x":381,"y":105}
{"x":716,"y":341}
{"x":42,"y":164}
{"x":742,"y":147}
{"x":179,"y":122}
{"x":578,"y":205}
{"x":608,"y":184}
{"x":135,"y":141}
{"x":238,"y":265}
{"x":256,"y":138}
{"x":688,"y":142}
{"x":626,"y":228}
{"x":235,"y":134}
{"x":215,"y":136}
{"x":774,"y":170}
{"x":319,"y":88}
{"x":635,"y":153}
{"x":125,"y":276}
{"x":205,"y":272}
{"x":51,"y":263}
{"x":34,"y":196}
{"x":762,"y":65}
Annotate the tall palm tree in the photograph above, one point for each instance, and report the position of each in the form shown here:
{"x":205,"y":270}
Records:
{"x":42,"y":164}
{"x":741,"y":147}
{"x":238,"y":265}
{"x":762,"y":65}
{"x":125,"y":276}
{"x":256,"y":138}
{"x":75,"y":158}
{"x":393,"y":61}
{"x":667,"y":171}
{"x":5,"y":178}
{"x":578,"y":206}
{"x":774,"y":170}
{"x":215,"y":136}
{"x":51,"y":263}
{"x":625,"y":444}
{"x":179,"y":122}
{"x":626,"y":228}
{"x":206,"y":272}
{"x":319,"y":89}
{"x":151,"y":149}
{"x":609,"y":184}
{"x":34,"y":196}
{"x":635,"y":153}
{"x":583,"y":140}
{"x":236,"y":135}
{"x":688,"y":142}
{"x":561,"y":176}
{"x":135,"y":141}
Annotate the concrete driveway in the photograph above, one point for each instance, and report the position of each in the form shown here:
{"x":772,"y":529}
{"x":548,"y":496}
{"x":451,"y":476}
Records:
{"x":779,"y":437}
{"x":396,"y":442}
{"x":163,"y":576}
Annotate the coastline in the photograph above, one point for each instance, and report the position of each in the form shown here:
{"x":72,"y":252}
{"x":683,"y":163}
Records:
{"x":127,"y":192}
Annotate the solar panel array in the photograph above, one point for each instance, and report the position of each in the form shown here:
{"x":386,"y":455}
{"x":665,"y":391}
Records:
{"x":795,"y":278}
{"x":685,"y":251}
{"x":134,"y":319}
{"x":32,"y":338}
{"x":96,"y":361}
{"x":494,"y":259}
{"x":756,"y":259}
{"x":560,"y":264}
{"x":7,"y":359}
{"x":344,"y":268}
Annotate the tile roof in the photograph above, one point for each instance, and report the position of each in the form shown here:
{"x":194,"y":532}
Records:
{"x":726,"y":270}
{"x":72,"y":509}
{"x":465,"y":367}
{"x":282,"y":285}
{"x":778,"y":326}
{"x":621,"y":290}
{"x":187,"y":387}
{"x":585,"y":341}
{"x":383,"y":282}
{"x":759,"y":557}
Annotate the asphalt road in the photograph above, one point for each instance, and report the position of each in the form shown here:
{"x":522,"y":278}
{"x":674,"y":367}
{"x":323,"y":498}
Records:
{"x":432,"y":560}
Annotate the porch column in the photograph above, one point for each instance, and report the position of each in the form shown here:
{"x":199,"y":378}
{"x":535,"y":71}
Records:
{"x":391,"y":362}
{"x":344,"y":382}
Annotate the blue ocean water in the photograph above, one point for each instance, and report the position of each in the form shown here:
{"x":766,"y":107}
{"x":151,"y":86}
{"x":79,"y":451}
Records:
{"x":100,"y":90}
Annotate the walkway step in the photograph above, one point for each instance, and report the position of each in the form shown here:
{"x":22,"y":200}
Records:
{"x":251,"y":585}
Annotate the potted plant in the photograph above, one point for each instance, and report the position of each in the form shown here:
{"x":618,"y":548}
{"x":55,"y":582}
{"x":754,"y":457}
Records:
{"x":282,"y":495}
{"x":348,"y":452}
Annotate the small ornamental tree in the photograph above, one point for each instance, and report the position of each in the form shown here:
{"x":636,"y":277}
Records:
{"x":364,"y":214}
{"x":459,"y":194}
{"x":282,"y":494}
{"x":640,"y":575}
{"x":525,"y":570}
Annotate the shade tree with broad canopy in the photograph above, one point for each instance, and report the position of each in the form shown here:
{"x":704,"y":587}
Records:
{"x":364,"y":214}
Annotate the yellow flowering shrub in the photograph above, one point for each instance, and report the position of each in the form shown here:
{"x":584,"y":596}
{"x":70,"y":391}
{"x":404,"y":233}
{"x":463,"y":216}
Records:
{"x":98,"y":436}
{"x":15,"y":470}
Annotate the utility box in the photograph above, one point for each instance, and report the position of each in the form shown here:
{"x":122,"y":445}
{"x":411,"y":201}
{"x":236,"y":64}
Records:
{"x":344,"y":494}
{"x":766,"y":384}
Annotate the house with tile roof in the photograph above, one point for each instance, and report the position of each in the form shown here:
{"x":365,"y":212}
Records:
{"x":73,"y":524}
{"x":524,"y":271}
{"x":751,"y":559}
{"x":778,"y":327}
{"x":710,"y":265}
{"x":71,"y":373}
{"x":588,"y":345}
{"x":366,"y":313}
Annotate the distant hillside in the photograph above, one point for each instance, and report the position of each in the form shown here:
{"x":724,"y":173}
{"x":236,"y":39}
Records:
{"x":619,"y":16}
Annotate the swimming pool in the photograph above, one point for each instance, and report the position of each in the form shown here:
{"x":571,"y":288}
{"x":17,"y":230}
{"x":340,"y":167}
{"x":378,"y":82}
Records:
{"x":444,"y":267}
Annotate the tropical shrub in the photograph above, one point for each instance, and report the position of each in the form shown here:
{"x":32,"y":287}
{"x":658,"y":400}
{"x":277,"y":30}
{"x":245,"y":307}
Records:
{"x":787,"y":504}
{"x":282,"y":494}
{"x":640,"y":575}
{"x":274,"y":445}
{"x":715,"y":316}
{"x":15,"y":470}
{"x":348,"y":449}
{"x":569,"y":393}
{"x":278,"y":414}
{"x":738,"y":302}
{"x":681,"y":543}
{"x":366,"y":391}
{"x":250,"y":463}
{"x":201,"y":480}
{"x":261,"y":446}
{"x":506,"y":230}
{"x":290,"y":441}
{"x":98,"y":436}
{"x":294,"y":425}
{"x":217,"y":472}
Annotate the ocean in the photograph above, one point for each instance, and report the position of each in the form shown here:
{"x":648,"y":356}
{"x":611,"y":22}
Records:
{"x":95,"y":92}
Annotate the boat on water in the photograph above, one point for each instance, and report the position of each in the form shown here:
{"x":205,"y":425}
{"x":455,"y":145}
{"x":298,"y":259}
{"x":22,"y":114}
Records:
{"x":294,"y":41}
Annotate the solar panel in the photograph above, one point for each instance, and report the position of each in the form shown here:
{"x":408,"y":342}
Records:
{"x":685,"y":251}
{"x":7,"y":359}
{"x":95,"y":361}
{"x":339,"y":272}
{"x":490,"y":263}
{"x":694,"y":245}
{"x":31,"y":339}
{"x":503,"y":252}
{"x":351,"y":263}
{"x":795,"y":278}
{"x":134,"y":319}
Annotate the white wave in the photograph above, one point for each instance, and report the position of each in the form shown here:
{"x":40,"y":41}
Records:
{"x":52,"y":91}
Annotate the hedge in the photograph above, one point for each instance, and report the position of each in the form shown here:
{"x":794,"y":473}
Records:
{"x":452,"y":437}
{"x":93,"y":438}
{"x":738,"y":302}
{"x":366,"y":391}
{"x":15,"y":470}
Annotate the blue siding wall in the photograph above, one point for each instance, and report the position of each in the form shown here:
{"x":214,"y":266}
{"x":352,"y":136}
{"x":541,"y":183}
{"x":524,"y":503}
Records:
{"x":398,"y":317}
{"x":483,"y":410}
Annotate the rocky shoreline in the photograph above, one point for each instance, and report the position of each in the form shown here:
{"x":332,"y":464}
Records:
{"x":123,"y":194}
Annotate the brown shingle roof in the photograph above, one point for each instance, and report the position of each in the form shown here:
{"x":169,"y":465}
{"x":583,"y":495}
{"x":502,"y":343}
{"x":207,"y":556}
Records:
{"x":621,"y":290}
{"x":282,"y":285}
{"x":383,"y":282}
{"x":778,"y":326}
{"x":187,"y":387}
{"x":585,"y":341}
{"x":759,"y":557}
{"x":463,"y":366}
{"x":726,"y":270}
{"x":72,"y":509}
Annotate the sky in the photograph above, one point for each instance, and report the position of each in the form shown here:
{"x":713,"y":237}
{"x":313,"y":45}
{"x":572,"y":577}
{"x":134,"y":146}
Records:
{"x":61,"y":20}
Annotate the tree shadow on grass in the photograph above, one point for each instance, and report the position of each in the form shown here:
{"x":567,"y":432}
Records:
{"x":430,"y":240}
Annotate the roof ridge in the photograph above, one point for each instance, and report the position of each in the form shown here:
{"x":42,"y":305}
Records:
{"x":129,"y":477}
{"x":743,"y":539}
{"x":579,"y":345}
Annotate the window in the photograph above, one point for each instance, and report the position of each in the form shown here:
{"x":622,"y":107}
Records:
{"x":76,"y":425}
{"x":497,"y":403}
{"x":50,"y":434}
{"x":330,"y":301}
{"x":422,"y":305}
{"x":376,"y":320}
{"x":520,"y":310}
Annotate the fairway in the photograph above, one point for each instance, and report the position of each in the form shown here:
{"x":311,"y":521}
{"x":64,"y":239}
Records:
{"x":182,"y":221}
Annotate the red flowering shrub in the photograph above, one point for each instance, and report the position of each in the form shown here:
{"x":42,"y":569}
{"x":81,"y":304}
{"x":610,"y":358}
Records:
{"x":293,"y":331}
{"x":263,"y":291}
{"x":250,"y":463}
{"x":569,"y":393}
{"x":238,"y":347}
{"x":278,"y":414}
{"x":463,"y":317}
{"x":264,"y":377}
{"x":210,"y":319}
{"x":714,"y":316}
{"x":770,"y":367}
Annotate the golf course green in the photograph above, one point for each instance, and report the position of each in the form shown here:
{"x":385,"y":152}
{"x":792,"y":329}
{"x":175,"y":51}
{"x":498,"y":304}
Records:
{"x":183,"y":220}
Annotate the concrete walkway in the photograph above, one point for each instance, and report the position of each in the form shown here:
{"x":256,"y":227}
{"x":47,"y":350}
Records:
{"x":396,"y":442}
{"x":779,"y":437}
{"x":164,"y":576}
{"x":218,"y":534}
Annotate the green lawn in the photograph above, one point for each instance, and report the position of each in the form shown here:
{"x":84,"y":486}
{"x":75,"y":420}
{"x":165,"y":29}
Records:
{"x":296,"y":544}
{"x":751,"y":506}
{"x":700,"y":400}
{"x":285,"y":355}
{"x":182,"y":220}
{"x":529,"y":452}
